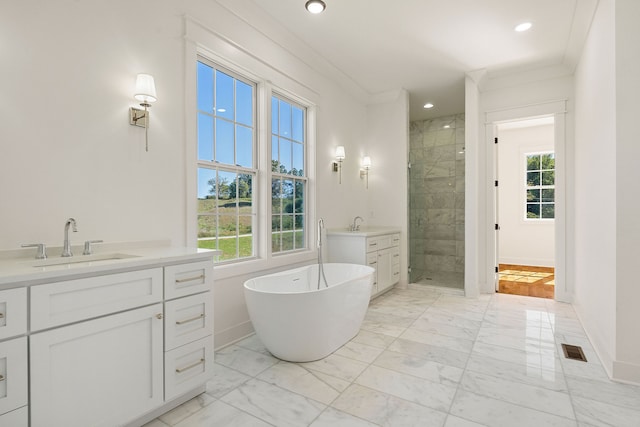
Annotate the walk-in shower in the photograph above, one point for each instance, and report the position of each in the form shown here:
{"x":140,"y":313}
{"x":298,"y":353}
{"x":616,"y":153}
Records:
{"x":436,"y":201}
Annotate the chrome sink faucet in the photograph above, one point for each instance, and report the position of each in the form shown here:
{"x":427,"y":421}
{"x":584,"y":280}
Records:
{"x":66,"y":250}
{"x":355,"y":226}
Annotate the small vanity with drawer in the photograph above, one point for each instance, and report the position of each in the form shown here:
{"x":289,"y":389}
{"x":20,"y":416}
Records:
{"x":376,"y":247}
{"x":110,"y":342}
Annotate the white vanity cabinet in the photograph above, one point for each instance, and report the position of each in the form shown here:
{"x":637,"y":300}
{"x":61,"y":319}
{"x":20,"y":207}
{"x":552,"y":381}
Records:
{"x":377,"y":249}
{"x":13,"y":358}
{"x":107,"y":348}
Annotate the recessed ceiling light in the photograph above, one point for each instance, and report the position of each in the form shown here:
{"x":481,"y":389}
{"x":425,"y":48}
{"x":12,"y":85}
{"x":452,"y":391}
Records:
{"x":523,"y":27}
{"x":428,"y":105}
{"x":315,"y":6}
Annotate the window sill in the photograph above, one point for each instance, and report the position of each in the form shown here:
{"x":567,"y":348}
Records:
{"x":225,"y":271}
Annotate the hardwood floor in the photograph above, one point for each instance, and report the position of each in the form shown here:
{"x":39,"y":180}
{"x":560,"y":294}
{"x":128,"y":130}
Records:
{"x":526,"y":280}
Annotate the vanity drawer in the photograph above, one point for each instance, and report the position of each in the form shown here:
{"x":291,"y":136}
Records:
{"x":395,"y":239}
{"x":70,"y":301}
{"x":188,"y":367}
{"x":372,"y":261}
{"x":395,"y":273}
{"x":187,"y":279}
{"x":13,"y":374}
{"x":13,"y":312}
{"x":395,"y":255}
{"x":378,"y":242}
{"x":371,"y":244}
{"x":188,"y":319}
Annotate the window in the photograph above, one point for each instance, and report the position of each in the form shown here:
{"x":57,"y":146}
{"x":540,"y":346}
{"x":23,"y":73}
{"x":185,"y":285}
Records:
{"x":540,"y":186}
{"x":226,"y":136}
{"x":288,"y":175}
{"x":238,"y":164}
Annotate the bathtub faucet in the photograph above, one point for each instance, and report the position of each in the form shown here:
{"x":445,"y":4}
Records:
{"x":320,"y":264}
{"x":355,"y":226}
{"x":320,"y":227}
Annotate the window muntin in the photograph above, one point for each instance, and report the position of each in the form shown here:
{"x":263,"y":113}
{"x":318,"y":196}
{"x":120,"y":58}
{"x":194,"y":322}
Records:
{"x":226,"y":135}
{"x":540,"y":186}
{"x":288,"y":175}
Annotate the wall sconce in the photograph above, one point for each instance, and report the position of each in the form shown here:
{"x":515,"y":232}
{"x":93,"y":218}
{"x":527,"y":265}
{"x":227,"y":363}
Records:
{"x":337,"y":165}
{"x":146,"y":94}
{"x":366,"y":165}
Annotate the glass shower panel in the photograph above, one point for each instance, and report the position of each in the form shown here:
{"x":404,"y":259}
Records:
{"x":436,"y":201}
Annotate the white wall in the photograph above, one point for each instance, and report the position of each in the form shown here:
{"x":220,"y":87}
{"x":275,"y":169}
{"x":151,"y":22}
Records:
{"x":521,"y":242}
{"x":595,"y":149}
{"x":68,"y":74}
{"x":66,"y":148}
{"x":387,"y":140}
{"x":627,"y":365}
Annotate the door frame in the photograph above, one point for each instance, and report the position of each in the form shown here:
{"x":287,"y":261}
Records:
{"x":558,"y":110}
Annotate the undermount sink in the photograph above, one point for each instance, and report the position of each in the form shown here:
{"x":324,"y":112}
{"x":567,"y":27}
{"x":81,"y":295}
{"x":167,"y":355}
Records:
{"x":82,"y":259}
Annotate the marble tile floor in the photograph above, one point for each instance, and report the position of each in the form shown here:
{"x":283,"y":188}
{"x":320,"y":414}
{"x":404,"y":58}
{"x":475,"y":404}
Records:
{"x":424,"y":357}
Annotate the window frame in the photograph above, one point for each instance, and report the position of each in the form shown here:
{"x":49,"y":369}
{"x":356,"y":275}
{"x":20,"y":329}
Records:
{"x":202,"y":43}
{"x":540,"y":187}
{"x":217,"y":166}
{"x":287,"y":176}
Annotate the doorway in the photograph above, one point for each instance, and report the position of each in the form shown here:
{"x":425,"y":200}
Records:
{"x":525,"y":207}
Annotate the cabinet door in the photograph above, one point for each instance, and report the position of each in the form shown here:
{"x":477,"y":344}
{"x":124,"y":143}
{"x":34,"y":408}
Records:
{"x":17,"y":418}
{"x":13,"y":374}
{"x":384,"y":269}
{"x":102,"y":372}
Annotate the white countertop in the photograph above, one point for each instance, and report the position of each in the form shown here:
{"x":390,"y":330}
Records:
{"x":17,"y":270}
{"x":363,"y":232}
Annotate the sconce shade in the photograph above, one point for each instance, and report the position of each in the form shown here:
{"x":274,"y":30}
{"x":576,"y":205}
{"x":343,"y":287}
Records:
{"x":340,"y":152}
{"x":366,"y":162}
{"x":145,"y":89}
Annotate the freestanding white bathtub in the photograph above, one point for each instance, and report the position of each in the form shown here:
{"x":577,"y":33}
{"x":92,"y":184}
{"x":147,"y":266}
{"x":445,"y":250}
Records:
{"x":298,"y":322}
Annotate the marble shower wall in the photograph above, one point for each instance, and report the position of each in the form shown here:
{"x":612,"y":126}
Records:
{"x":436,"y":201}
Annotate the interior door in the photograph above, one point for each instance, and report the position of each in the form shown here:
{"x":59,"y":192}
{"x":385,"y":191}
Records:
{"x":496,"y":197}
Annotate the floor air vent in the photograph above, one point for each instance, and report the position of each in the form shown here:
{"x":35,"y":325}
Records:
{"x":573,"y":352}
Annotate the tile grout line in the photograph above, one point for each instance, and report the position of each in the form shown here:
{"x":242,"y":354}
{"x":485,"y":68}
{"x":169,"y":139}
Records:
{"x":464,"y":371}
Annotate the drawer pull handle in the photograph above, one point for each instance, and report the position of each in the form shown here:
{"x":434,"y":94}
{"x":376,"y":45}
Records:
{"x":373,"y":263}
{"x":190,"y":279}
{"x":159,"y":316}
{"x":396,"y":256}
{"x":193,"y":365}
{"x":182,"y":322}
{"x":1,"y":377}
{"x":1,"y":315}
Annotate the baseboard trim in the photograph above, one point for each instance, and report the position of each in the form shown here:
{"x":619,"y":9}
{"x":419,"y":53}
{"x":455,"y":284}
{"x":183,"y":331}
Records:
{"x":232,"y":335}
{"x":626,"y":372}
